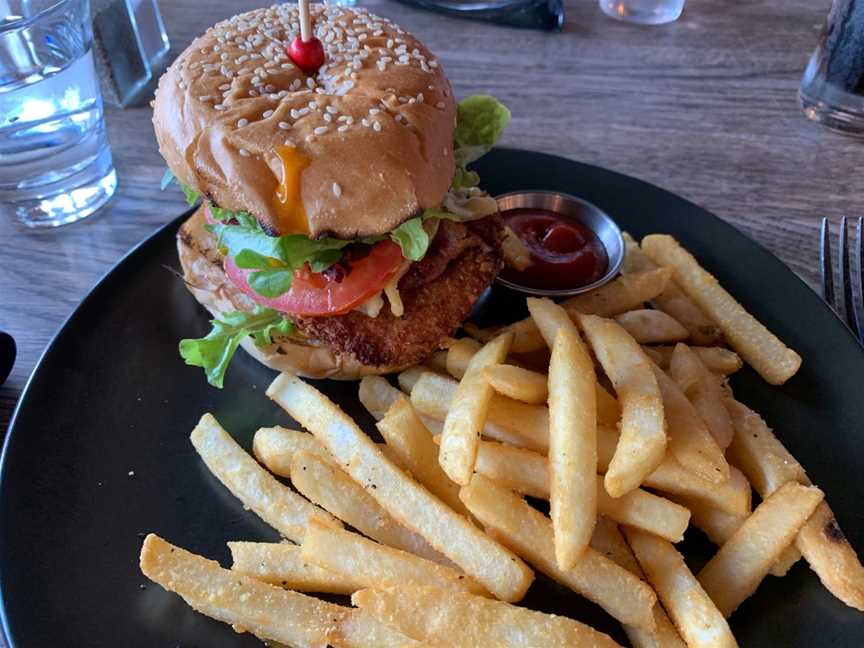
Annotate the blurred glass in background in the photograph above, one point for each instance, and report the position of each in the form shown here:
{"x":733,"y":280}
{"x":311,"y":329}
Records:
{"x":645,"y":12}
{"x":832,"y":90}
{"x":55,"y":162}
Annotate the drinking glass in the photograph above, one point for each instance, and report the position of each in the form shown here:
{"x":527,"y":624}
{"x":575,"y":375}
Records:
{"x":646,"y":12}
{"x":832,"y":90}
{"x":55,"y":162}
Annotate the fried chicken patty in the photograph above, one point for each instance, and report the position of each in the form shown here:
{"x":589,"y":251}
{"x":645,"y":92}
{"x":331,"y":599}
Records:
{"x":437,"y":292}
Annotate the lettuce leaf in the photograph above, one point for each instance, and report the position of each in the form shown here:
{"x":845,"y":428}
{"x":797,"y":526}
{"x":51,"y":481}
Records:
{"x":213,"y":352}
{"x":412,"y":237}
{"x":480,"y":121}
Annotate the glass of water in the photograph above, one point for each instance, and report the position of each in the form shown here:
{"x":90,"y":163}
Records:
{"x":645,"y":12}
{"x":55,"y":162}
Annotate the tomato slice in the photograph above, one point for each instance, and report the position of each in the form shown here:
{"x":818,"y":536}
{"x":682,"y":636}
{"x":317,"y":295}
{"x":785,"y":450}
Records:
{"x":315,"y":293}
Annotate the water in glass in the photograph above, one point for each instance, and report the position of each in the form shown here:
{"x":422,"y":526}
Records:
{"x":55,"y":162}
{"x":646,"y":12}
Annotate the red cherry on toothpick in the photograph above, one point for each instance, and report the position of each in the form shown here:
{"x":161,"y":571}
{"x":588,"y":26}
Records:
{"x":307,"y":55}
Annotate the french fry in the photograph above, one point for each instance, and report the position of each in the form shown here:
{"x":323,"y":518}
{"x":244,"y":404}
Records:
{"x":689,"y":440}
{"x":760,"y":348}
{"x":481,"y":335}
{"x":258,"y":490}
{"x":468,"y":409}
{"x":508,"y":420}
{"x":702,"y":329}
{"x":526,"y":337}
{"x":377,"y":395}
{"x":494,"y":567}
{"x":572,"y":446}
{"x":359,"y":630}
{"x":820,"y":541}
{"x":267,"y":611}
{"x":518,"y":383}
{"x":621,"y":295}
{"x":703,"y":390}
{"x":408,"y":378}
{"x":438,"y":361}
{"x":325,"y":484}
{"x":409,"y":439}
{"x":275,"y":447}
{"x":529,"y":533}
{"x":527,"y":472}
{"x":375,"y":565}
{"x":642,"y":443}
{"x":692,"y":611}
{"x":718,"y":360}
{"x":648,"y":326}
{"x":459,"y":355}
{"x":427,"y":614}
{"x":280,"y":563}
{"x":608,"y":541}
{"x":735,"y":572}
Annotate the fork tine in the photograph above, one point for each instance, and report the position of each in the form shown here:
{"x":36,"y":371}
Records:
{"x":826,"y":268}
{"x":846,"y":277}
{"x":858,"y":271}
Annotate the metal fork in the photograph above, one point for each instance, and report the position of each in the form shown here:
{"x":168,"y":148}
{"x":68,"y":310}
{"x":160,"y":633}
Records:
{"x":850,"y":277}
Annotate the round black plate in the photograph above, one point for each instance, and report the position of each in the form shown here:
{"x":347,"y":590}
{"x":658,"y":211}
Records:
{"x":110,"y":398}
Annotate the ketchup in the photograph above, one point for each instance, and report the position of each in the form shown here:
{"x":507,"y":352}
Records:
{"x":564,"y":253}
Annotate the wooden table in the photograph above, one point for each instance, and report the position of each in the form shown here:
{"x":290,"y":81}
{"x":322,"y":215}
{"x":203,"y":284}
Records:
{"x":705,"y":107}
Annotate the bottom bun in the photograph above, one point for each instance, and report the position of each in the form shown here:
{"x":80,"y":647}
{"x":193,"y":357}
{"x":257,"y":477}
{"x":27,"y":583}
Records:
{"x":209,"y":284}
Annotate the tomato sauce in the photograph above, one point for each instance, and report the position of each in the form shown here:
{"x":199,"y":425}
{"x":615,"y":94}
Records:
{"x":564,"y":253}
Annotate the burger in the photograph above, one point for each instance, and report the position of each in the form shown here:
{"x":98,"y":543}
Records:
{"x":340,"y":232}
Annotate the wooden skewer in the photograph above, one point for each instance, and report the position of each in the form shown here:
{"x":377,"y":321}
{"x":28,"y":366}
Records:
{"x":305,"y":21}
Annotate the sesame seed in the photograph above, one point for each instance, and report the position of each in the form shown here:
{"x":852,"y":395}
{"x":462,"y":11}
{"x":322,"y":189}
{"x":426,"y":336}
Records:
{"x":376,"y":126}
{"x":225,"y":86}
{"x":337,"y":190}
{"x":205,"y":98}
{"x":313,"y":105}
{"x":242,"y":122}
{"x":343,"y":128}
{"x":267,"y":114}
{"x":309,"y":138}
{"x":398,"y":118}
{"x":284,"y":125}
{"x":440,"y":104}
{"x":433,"y":64}
{"x":219,"y":107}
{"x":320,"y":130}
{"x":332,"y":110}
{"x":365,"y":122}
{"x":328,"y":117}
{"x":374,"y":111}
{"x":295,"y":114}
{"x":244,"y":152}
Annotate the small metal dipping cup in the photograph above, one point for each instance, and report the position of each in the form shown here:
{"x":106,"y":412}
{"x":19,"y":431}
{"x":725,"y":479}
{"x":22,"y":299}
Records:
{"x":579,"y":210}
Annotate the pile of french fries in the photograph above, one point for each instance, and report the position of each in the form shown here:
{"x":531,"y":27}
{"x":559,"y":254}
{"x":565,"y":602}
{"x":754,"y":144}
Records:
{"x":619,"y":415}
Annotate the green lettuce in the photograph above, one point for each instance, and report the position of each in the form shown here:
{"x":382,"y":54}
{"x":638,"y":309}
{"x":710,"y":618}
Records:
{"x":480,"y":121}
{"x":213,"y":352}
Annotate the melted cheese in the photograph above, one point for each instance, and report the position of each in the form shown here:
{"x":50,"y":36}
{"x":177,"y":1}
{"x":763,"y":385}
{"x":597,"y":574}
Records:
{"x":288,"y":201}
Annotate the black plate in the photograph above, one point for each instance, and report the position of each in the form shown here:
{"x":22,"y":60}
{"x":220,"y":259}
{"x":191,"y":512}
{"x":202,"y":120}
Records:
{"x":110,"y":396}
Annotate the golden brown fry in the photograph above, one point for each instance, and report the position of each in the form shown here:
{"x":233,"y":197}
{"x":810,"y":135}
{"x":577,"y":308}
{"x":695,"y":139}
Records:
{"x":643,"y":510}
{"x":428,"y":614}
{"x":692,"y":611}
{"x":325,"y":484}
{"x":718,"y":360}
{"x":409,"y":377}
{"x":275,"y":447}
{"x":735,"y":572}
{"x":621,"y":295}
{"x":772,"y":359}
{"x":280,"y":563}
{"x":529,"y":533}
{"x":526,"y":337}
{"x":265,"y":610}
{"x":642,"y":443}
{"x":703,"y":390}
{"x":409,"y":439}
{"x":494,"y":567}
{"x":518,"y":469}
{"x":468,"y":410}
{"x":508,"y":420}
{"x":518,"y":383}
{"x":354,"y":557}
{"x":459,"y":355}
{"x":649,"y":326}
{"x":258,"y":490}
{"x":608,"y":541}
{"x":377,"y":395}
{"x":702,"y":329}
{"x":690,"y":442}
{"x":572,"y":446}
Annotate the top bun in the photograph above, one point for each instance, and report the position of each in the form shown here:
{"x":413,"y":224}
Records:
{"x":375,"y":122}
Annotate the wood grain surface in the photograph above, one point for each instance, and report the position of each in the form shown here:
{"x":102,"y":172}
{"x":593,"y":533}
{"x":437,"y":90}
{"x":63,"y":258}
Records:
{"x":706,"y":107}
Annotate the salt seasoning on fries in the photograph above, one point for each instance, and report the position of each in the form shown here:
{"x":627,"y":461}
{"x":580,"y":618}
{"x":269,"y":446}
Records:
{"x":760,"y":348}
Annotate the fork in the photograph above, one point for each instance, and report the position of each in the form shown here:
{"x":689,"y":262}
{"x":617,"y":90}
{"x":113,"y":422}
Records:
{"x":850,"y":278}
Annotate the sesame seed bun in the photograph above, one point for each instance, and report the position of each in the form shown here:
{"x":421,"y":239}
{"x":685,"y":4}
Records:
{"x":376,"y":121}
